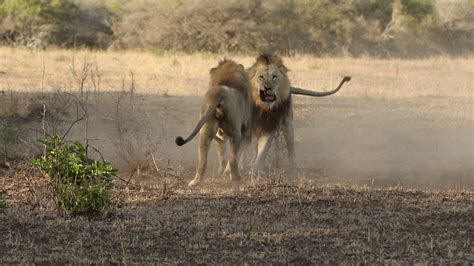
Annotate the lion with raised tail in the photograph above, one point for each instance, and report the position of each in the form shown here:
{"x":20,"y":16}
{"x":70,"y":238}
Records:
{"x":272,"y":105}
{"x":227,"y":106}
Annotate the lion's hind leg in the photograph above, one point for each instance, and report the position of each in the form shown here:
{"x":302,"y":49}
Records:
{"x":235,"y":151}
{"x":221,"y":144}
{"x":207,"y":133}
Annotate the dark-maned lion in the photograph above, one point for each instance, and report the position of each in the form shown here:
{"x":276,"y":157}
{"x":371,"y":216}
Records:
{"x":227,"y":105}
{"x":272,"y":105}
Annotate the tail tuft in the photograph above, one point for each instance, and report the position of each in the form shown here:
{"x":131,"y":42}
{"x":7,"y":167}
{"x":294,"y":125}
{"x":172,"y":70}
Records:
{"x":346,"y":78}
{"x":180,"y":141}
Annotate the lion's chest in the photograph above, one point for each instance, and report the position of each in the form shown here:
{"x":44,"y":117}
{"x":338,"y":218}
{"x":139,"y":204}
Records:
{"x":266,"y":121}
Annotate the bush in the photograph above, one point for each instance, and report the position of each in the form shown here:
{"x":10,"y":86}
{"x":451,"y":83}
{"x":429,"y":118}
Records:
{"x":80,"y":185}
{"x":400,"y":28}
{"x":418,"y":9}
{"x":369,"y":27}
{"x":41,"y":23}
{"x":235,"y":26}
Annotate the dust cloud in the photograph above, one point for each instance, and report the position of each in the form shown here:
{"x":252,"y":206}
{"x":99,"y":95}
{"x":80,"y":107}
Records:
{"x":388,"y":142}
{"x":421,"y":142}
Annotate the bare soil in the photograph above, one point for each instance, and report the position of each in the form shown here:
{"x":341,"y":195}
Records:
{"x":268,"y":222}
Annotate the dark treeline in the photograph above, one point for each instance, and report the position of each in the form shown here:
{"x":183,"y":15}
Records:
{"x":380,"y":28}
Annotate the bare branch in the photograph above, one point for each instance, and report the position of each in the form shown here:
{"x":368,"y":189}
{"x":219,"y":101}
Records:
{"x":132,"y":86}
{"x":154,"y":162}
{"x":78,"y":119}
{"x":80,"y":77}
{"x":42,"y":77}
{"x":43,"y":119}
{"x":100,"y":154}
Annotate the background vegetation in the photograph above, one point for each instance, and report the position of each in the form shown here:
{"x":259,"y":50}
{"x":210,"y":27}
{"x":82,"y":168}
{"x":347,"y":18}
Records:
{"x":383,"y":28}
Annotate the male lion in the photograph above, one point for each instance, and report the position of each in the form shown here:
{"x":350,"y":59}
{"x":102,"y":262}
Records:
{"x":226,"y":106}
{"x":272,"y":105}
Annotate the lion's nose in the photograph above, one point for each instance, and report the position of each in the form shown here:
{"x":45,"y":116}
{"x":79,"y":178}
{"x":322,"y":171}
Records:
{"x":267,"y":88}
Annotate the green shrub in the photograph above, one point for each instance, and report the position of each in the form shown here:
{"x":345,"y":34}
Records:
{"x":418,"y":9}
{"x":80,"y":185}
{"x":158,"y":52}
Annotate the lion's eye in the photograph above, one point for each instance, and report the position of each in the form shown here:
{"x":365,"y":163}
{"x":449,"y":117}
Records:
{"x":260,"y":77}
{"x":274,"y":77}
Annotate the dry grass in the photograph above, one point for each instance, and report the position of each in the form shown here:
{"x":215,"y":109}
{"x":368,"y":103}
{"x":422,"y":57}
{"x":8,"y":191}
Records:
{"x":184,"y":75}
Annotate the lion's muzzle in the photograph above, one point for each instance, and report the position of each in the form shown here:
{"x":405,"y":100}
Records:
{"x":267,"y":95}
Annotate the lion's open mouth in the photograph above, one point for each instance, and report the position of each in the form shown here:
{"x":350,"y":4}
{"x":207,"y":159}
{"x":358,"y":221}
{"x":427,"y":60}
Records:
{"x":267,"y":96}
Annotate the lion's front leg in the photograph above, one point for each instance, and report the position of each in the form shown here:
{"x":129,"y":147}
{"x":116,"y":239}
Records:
{"x":289,"y":135}
{"x":263,"y":146}
{"x":235,"y":151}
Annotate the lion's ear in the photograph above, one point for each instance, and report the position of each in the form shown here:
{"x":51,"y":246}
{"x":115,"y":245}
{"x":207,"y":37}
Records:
{"x":251,"y":71}
{"x":212,"y":70}
{"x":241,"y":67}
{"x":264,"y":58}
{"x":283,"y":69}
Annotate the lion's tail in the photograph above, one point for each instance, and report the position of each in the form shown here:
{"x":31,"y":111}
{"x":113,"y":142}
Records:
{"x":294,"y":90}
{"x":210,"y":111}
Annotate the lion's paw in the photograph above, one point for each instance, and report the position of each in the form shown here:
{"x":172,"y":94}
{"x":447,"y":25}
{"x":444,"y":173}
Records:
{"x":194,"y":182}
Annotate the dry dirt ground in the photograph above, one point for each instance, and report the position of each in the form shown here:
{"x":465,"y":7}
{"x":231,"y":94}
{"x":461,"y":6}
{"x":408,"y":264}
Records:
{"x":268,"y":222}
{"x":385,"y":166}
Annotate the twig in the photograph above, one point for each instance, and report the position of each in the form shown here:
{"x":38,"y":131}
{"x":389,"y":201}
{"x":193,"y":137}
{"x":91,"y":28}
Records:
{"x":154,"y":162}
{"x":95,"y":78}
{"x":98,"y":77}
{"x":86,"y":128}
{"x":163,"y":192}
{"x":176,"y":176}
{"x":132,"y":87}
{"x":168,"y":168}
{"x":43,"y":115}
{"x":100,"y":154}
{"x":78,"y":119}
{"x":42,"y":77}
{"x":126,"y":181}
{"x":72,"y":125}
{"x":80,"y":77}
